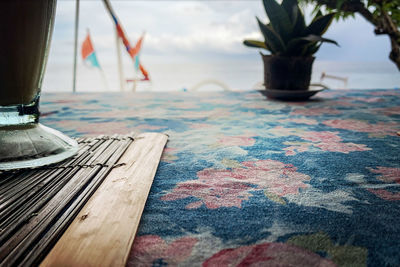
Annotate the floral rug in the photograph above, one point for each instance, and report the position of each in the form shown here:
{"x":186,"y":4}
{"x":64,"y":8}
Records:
{"x":249,"y":181}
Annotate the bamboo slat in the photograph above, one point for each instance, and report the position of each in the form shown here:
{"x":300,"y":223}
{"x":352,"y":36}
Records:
{"x":38,"y":205}
{"x":103,"y":232}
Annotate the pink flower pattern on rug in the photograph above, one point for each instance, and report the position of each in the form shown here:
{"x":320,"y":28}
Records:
{"x":267,"y":254}
{"x":97,"y":128}
{"x":324,"y":140}
{"x":236,"y":141}
{"x":229,"y":188}
{"x":386,"y":93}
{"x":151,"y":250}
{"x":389,"y":111}
{"x":385,"y":194}
{"x":224,"y":189}
{"x":297,"y":148}
{"x":380,"y":128}
{"x":301,"y":121}
{"x":389,"y":176}
{"x":314,"y":111}
{"x":363,"y":99}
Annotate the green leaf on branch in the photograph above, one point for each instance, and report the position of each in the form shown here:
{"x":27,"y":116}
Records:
{"x":339,"y":4}
{"x":255,"y":43}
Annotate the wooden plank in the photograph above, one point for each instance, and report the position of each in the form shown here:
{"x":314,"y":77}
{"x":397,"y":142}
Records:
{"x":103,"y":232}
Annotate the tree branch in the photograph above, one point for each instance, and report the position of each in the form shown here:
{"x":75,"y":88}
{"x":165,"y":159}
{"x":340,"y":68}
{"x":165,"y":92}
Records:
{"x":383,"y":23}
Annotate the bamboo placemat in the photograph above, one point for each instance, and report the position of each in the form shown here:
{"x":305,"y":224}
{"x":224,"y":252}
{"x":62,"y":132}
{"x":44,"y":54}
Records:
{"x":38,"y":205}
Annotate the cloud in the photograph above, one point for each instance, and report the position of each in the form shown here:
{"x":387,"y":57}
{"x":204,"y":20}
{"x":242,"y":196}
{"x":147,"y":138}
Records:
{"x":199,"y":28}
{"x":171,"y":26}
{"x":189,"y":32}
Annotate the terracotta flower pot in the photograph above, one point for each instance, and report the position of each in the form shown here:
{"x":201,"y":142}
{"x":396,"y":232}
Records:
{"x":287,"y":73}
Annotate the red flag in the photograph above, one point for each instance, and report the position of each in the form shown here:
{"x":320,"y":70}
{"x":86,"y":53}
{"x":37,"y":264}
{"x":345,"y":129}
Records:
{"x":88,"y":53}
{"x":133,"y":51}
{"x":145,"y":73}
{"x":87,"y":47}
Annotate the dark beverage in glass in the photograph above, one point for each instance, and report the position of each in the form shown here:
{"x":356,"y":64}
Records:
{"x":25,"y":33}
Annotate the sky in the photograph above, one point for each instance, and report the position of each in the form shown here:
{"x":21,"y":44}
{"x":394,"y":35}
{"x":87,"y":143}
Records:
{"x":178,"y":32}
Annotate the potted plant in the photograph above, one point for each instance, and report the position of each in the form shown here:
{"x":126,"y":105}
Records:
{"x":291,"y":43}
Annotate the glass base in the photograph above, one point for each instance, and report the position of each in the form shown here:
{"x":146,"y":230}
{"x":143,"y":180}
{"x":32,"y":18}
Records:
{"x":33,"y":145}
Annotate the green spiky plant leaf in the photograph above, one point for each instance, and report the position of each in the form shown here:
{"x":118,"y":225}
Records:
{"x":279,"y":19}
{"x":287,"y":33}
{"x":291,"y":9}
{"x":320,"y":24}
{"x":300,"y":24}
{"x":272,"y":39}
{"x":318,"y":14}
{"x":316,"y":38}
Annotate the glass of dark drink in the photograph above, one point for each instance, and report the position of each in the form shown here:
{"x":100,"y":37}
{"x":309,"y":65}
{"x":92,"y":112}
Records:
{"x":25,"y":33}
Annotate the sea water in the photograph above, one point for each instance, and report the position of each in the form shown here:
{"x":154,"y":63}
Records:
{"x":235,"y":74}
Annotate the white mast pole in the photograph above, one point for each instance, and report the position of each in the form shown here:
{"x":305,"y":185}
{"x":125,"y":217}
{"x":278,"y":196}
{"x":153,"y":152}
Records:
{"x":118,"y":43}
{"x":103,"y":76}
{"x":120,"y":68}
{"x":75,"y":45}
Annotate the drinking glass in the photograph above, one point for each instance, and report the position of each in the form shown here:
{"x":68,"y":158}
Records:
{"x":25,"y":33}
